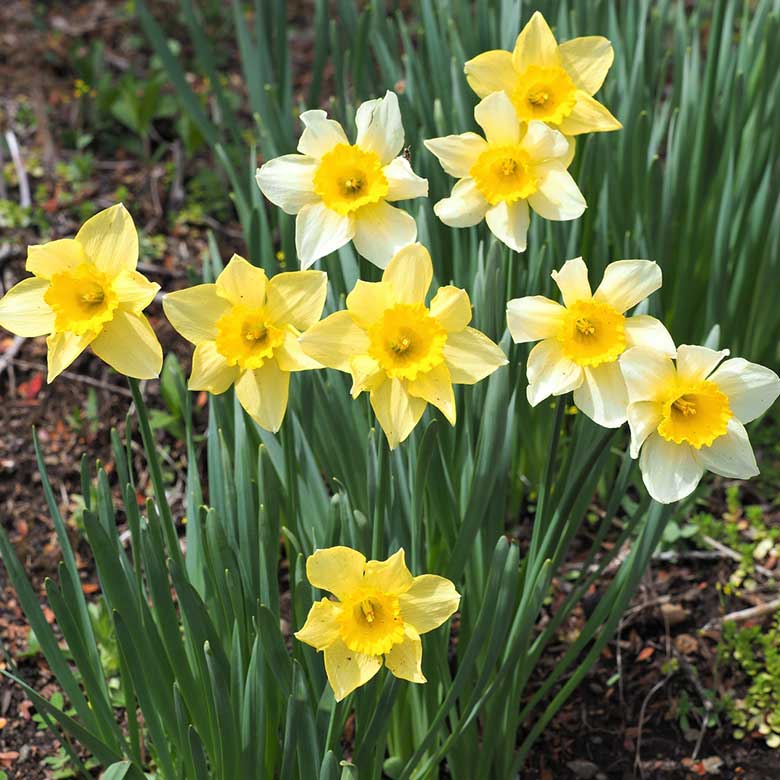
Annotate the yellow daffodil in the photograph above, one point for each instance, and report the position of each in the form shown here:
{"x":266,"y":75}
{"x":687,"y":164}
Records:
{"x":547,"y":82}
{"x":515,"y":166}
{"x":341,"y":191}
{"x":403,"y":353}
{"x":582,"y":340}
{"x":245,"y":329}
{"x":85,"y":292}
{"x":689,"y":416}
{"x":379,"y":615}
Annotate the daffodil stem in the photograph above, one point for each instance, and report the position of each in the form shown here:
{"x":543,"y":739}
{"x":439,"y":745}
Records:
{"x":288,"y":446}
{"x":549,"y":466}
{"x":383,"y":485}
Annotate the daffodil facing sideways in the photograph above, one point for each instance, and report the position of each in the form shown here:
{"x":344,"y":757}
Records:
{"x":379,"y":614}
{"x":547,"y":82}
{"x":341,"y":192}
{"x":405,"y":354}
{"x":245,"y":328}
{"x":85,"y":292}
{"x":689,"y":415}
{"x":580,"y":341}
{"x":516,"y":165}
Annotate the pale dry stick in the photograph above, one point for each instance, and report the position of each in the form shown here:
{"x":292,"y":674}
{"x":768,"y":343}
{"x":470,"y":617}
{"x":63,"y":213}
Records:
{"x":21,"y":173}
{"x":734,"y":555}
{"x":7,"y":357}
{"x":744,"y":614}
{"x":87,"y":380}
{"x":657,"y":687}
{"x":3,"y":188}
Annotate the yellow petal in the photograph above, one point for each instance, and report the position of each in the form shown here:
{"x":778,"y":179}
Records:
{"x":550,"y":372}
{"x":194,"y":312}
{"x":429,"y":602}
{"x":291,"y":356}
{"x":602,"y":396}
{"x":627,"y":282}
{"x":263,"y":394}
{"x":457,"y":153}
{"x":320,"y":231}
{"x":471,"y":356}
{"x":347,"y":669}
{"x":339,"y":570}
{"x":536,"y":45}
{"x":588,"y":116}
{"x":379,"y":127}
{"x":242,"y":283}
{"x":587,"y":61}
{"x":452,"y":308}
{"x":320,"y":134}
{"x":396,"y":411}
{"x":695,"y":363}
{"x":110,"y":240}
{"x":366,"y":374}
{"x":321,"y":628}
{"x":210,"y":370}
{"x":405,"y":659}
{"x":435,"y":387}
{"x":381,"y":230}
{"x":534,"y":318}
{"x":389,"y":576}
{"x":508,"y":222}
{"x":335,"y":340}
{"x":23,"y":310}
{"x":288,"y":182}
{"x":648,"y":374}
{"x":129,"y":346}
{"x":403,"y":182}
{"x":465,"y":207}
{"x":45,"y":260}
{"x":368,"y":300}
{"x":64,"y":348}
{"x":496,"y":115}
{"x":134,"y":290}
{"x":491,"y":71}
{"x":409,"y":274}
{"x":572,"y":281}
{"x":297,"y":298}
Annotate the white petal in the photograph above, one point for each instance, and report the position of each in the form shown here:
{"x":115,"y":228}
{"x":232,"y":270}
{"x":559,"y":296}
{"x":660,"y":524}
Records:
{"x":379,"y":127}
{"x":648,"y":374}
{"x":496,"y":115}
{"x":572,"y":281}
{"x":288,"y":182}
{"x":695,"y":363}
{"x":602,"y":396}
{"x":670,"y":471}
{"x":381,"y":230}
{"x":751,"y":388}
{"x":465,"y":207}
{"x":320,"y":134}
{"x":533,"y":318}
{"x":457,"y":153}
{"x":544,"y":143}
{"x":550,"y":372}
{"x":643,"y":419}
{"x":558,"y":197}
{"x":509,"y":223}
{"x":627,"y":282}
{"x":646,"y":331}
{"x":320,"y":231}
{"x":731,"y":455}
{"x":404,"y":182}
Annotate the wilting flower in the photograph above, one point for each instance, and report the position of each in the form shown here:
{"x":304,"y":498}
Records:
{"x":380,"y":613}
{"x":340,"y":191}
{"x":514,"y":166}
{"x":84,"y":292}
{"x":548,"y":82}
{"x":690,"y":416}
{"x":403,"y":353}
{"x":582,"y":340}
{"x":245,"y":328}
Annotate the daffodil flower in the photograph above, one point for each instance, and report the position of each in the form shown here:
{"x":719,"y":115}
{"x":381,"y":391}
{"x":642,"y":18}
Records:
{"x":582,"y":340}
{"x":547,"y":82}
{"x":380,"y":612}
{"x":515,"y":166}
{"x":341,"y":191}
{"x":245,"y":329}
{"x":403,"y":353}
{"x":85,"y":292}
{"x":689,"y":416}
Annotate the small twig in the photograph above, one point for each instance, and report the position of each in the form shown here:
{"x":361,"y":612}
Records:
{"x":7,"y":357}
{"x":87,"y":380}
{"x":734,"y":555}
{"x":637,"y":756}
{"x":21,"y":173}
{"x":745,"y":614}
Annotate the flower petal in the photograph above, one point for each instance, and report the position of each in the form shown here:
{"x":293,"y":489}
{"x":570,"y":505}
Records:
{"x":751,"y":388}
{"x":670,"y":471}
{"x":587,"y":61}
{"x":429,"y":602}
{"x":379,"y":127}
{"x":194,"y":312}
{"x":389,"y":576}
{"x":491,"y":71}
{"x":210,"y":370}
{"x":642,"y":330}
{"x":297,"y":298}
{"x":409,"y":274}
{"x":627,"y":282}
{"x":396,"y":411}
{"x":648,"y":374}
{"x":321,"y":628}
{"x":465,"y":207}
{"x":643,"y":419}
{"x":536,"y":45}
{"x":731,"y":455}
{"x":550,"y":372}
{"x":320,"y":231}
{"x":263,"y":394}
{"x":405,"y":659}
{"x":404,"y":183}
{"x":457,"y":153}
{"x":23,"y":310}
{"x":134,"y":290}
{"x":110,"y":240}
{"x":368,"y":300}
{"x":320,"y":134}
{"x":452,"y":308}
{"x":335,"y":340}
{"x":471,"y":356}
{"x":558,"y":197}
{"x":381,"y":230}
{"x":348,"y":670}
{"x":534,"y":318}
{"x":339,"y":570}
{"x":288,"y":181}
{"x":291,"y":357}
{"x":603,"y":396}
{"x":128,"y":344}
{"x":435,"y":387}
{"x":695,"y":363}
{"x":588,"y":116}
{"x":64,"y":348}
{"x":367,"y":374}
{"x":509,"y":223}
{"x":45,"y":260}
{"x":496,"y":115}
{"x":242,"y":283}
{"x":543,"y":143}
{"x":572,"y":281}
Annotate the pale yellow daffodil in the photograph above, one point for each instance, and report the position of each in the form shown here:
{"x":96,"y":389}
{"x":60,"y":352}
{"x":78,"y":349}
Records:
{"x":85,"y":292}
{"x":245,"y":329}
{"x":380,"y":612}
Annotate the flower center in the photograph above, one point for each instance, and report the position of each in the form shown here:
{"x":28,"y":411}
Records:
{"x":349,"y":177}
{"x":82,"y":299}
{"x":697,"y":414}
{"x":371,"y":622}
{"x":592,"y":333}
{"x":407,"y":341}
{"x":546,"y":94}
{"x":504,"y":173}
{"x":246,"y":338}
